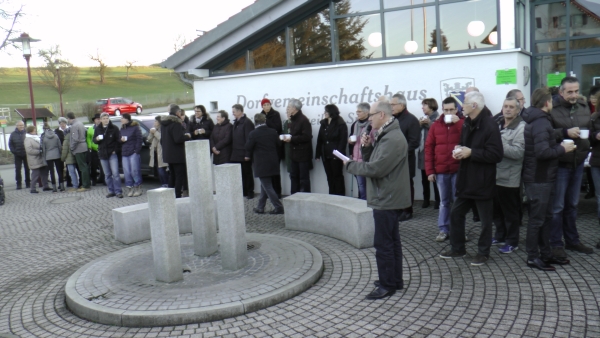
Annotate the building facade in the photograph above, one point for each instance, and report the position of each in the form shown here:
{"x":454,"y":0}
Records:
{"x":350,"y":51}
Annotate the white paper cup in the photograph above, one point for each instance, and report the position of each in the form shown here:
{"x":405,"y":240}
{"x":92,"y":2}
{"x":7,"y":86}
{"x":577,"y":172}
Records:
{"x":100,"y":137}
{"x":448,"y":118}
{"x":584,"y":133}
{"x":353,"y":138}
{"x":288,"y":136}
{"x":152,"y":129}
{"x":456,"y":151}
{"x":568,"y":141}
{"x":281,"y":137}
{"x":124,"y":138}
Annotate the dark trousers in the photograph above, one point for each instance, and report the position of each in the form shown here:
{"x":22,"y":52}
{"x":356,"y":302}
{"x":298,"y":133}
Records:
{"x":267,"y":190}
{"x":334,"y":169}
{"x":39,"y":174}
{"x":412,"y":196}
{"x":60,"y":168}
{"x":506,"y":214}
{"x":54,"y":164}
{"x":460,"y":208}
{"x":176,"y":177}
{"x":388,"y":248}
{"x":96,"y":174}
{"x":85,"y":171}
{"x":276,"y":182}
{"x":426,"y":191}
{"x":541,"y":199}
{"x":247,"y":178}
{"x":21,"y":162}
{"x":300,"y":176}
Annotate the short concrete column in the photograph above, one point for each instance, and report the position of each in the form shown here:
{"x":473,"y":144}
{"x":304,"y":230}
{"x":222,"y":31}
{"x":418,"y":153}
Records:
{"x":232,"y":224}
{"x":200,"y":182}
{"x":164,"y":230}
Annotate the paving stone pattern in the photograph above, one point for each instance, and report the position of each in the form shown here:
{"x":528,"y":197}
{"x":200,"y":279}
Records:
{"x":43,"y":244}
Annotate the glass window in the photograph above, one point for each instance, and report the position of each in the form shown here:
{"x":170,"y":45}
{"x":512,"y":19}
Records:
{"x":585,"y":18}
{"x":311,"y":40}
{"x":549,"y":22}
{"x":270,"y":55}
{"x":467,"y":24}
{"x":236,"y":66}
{"x":402,"y":3}
{"x":545,"y":65}
{"x":549,"y":47}
{"x":402,"y":38}
{"x":344,"y":7}
{"x":585,"y":43}
{"x":359,"y":37}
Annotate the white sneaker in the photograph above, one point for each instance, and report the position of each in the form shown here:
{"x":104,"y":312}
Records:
{"x":441,"y":237}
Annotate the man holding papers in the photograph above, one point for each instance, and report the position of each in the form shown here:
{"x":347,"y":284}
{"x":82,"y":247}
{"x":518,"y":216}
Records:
{"x":385,"y":165}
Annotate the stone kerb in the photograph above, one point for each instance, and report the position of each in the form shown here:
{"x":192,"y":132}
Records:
{"x":345,"y":218}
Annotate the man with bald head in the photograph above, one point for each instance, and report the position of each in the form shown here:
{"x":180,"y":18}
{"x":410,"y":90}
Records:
{"x":16,"y":144}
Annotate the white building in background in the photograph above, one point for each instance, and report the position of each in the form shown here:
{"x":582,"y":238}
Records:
{"x":350,"y":51}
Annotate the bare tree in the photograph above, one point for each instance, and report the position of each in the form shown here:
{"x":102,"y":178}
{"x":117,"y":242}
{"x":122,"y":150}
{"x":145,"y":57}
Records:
{"x":129,"y":65}
{"x":8,"y":23}
{"x":184,"y":77}
{"x":102,"y":67}
{"x":49,"y":73}
{"x":180,"y":42}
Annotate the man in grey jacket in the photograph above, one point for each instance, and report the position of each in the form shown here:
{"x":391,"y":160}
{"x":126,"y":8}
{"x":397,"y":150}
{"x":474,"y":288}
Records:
{"x":385,"y":165}
{"x":79,"y":148}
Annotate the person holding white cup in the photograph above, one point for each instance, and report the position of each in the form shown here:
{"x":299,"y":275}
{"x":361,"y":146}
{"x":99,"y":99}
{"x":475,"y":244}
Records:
{"x":358,"y":128}
{"x":107,"y":136}
{"x":201,"y":125}
{"x":131,"y":139}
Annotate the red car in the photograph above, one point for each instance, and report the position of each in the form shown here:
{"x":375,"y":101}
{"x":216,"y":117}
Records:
{"x":118,"y":105}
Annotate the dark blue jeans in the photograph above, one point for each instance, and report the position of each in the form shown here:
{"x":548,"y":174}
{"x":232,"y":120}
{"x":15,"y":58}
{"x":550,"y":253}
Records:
{"x":111,"y":174}
{"x":388,"y":248}
{"x":540,"y":196}
{"x":564,"y":210}
{"x":361,"y":183}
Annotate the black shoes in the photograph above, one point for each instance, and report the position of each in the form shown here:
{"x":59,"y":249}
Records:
{"x":276,"y":211}
{"x":47,"y":189}
{"x":426,"y":204}
{"x":249,"y":196}
{"x":110,"y":195}
{"x":19,"y":187}
{"x":34,"y":191}
{"x":436,"y":205}
{"x":476,"y":219}
{"x":258,"y":211}
{"x":398,"y":285}
{"x":555,"y":260}
{"x":119,"y":195}
{"x":559,"y":252}
{"x":405,"y":216}
{"x":452,"y":254}
{"x":379,"y":293}
{"x":540,"y":265}
{"x":579,"y":247}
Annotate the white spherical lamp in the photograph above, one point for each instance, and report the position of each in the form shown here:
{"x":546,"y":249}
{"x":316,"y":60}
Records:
{"x":493,"y":38}
{"x":434,"y":50}
{"x":411,"y":46}
{"x":475,"y":28}
{"x":375,"y":40}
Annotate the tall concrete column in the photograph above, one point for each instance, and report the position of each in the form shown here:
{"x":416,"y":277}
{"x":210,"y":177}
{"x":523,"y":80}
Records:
{"x":232,"y":224}
{"x":200,"y":182}
{"x":164,"y":230}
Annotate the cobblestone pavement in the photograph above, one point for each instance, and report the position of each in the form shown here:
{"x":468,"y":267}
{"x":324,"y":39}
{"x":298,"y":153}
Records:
{"x":42,"y":244}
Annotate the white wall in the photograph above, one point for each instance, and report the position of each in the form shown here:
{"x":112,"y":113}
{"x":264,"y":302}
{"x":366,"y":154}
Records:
{"x":417,"y":78}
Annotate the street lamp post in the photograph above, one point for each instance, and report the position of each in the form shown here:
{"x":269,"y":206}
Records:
{"x":25,"y":39}
{"x":57,"y":65}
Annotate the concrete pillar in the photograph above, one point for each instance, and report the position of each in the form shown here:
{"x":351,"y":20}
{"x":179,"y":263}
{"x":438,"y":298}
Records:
{"x":200,"y":182}
{"x":232,"y":223}
{"x":164,"y":230}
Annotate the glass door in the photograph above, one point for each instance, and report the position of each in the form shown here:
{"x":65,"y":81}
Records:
{"x":587,"y":69}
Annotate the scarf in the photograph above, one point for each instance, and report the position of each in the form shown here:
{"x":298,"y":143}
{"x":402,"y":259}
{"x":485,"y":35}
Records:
{"x":380,"y":131}
{"x":34,"y":137}
{"x":360,"y":126}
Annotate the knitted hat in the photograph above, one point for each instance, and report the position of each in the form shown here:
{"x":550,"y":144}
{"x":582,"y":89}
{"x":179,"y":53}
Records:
{"x":96,"y":116}
{"x":265,"y":100}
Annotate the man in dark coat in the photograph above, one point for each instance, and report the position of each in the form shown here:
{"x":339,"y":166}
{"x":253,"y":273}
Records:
{"x":108,"y":138}
{"x":172,"y":140}
{"x":301,"y":147}
{"x":220,"y":139}
{"x":16,"y":144}
{"x":479,"y":150}
{"x":274,"y":122}
{"x":242,"y":126}
{"x":540,"y":165}
{"x":261,"y":149}
{"x":569,"y":114}
{"x":411,"y":128}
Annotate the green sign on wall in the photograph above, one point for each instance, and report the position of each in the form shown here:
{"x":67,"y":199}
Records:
{"x":553,"y":79}
{"x":506,"y":76}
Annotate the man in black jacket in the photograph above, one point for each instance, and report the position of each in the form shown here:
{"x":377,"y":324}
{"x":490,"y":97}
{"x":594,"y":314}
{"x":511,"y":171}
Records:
{"x":479,"y":150}
{"x":108,"y":138}
{"x":411,"y":128}
{"x":172,"y":140}
{"x":16,"y":144}
{"x":261,"y":148}
{"x":274,"y":122}
{"x":539,"y":175}
{"x":300,"y":149}
{"x":242,"y":126}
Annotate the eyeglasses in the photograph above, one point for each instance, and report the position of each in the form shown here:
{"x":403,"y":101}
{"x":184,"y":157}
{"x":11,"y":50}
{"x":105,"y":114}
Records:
{"x":375,"y":113}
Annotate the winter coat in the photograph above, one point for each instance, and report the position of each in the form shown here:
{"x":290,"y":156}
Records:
{"x":134,"y":142}
{"x":564,"y":116}
{"x":78,"y":138}
{"x":477,"y":174}
{"x":541,"y":149}
{"x":172,"y":139}
{"x":51,"y":147}
{"x":287,"y":147}
{"x":508,"y":171}
{"x":423,"y":138}
{"x":274,"y":120}
{"x":409,"y":125}
{"x":154,"y":140}
{"x":35,"y":158}
{"x":89,"y":138}
{"x":16,"y":143}
{"x":240,"y":134}
{"x":262,"y":147}
{"x":60,"y":134}
{"x":203,"y":123}
{"x":111,"y":143}
{"x":332,"y":136}
{"x":386,"y":167}
{"x":441,"y":140}
{"x":221,"y":140}
{"x":594,"y":131}
{"x":301,"y":142}
{"x":66,"y":154}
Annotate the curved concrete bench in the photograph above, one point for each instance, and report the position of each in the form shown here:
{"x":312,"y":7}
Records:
{"x":345,"y":218}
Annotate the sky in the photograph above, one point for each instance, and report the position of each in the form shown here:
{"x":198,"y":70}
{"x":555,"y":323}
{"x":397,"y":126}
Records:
{"x":120,"y":30}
